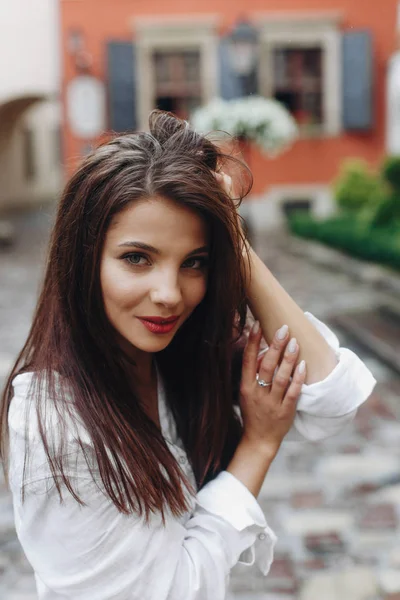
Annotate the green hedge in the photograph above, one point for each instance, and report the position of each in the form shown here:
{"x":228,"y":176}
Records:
{"x":381,"y":245}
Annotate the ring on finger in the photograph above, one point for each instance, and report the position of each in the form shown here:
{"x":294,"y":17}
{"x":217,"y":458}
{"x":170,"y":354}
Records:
{"x":262,"y":382}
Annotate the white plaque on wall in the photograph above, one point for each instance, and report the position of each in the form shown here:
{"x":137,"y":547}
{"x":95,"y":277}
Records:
{"x":86,"y":106}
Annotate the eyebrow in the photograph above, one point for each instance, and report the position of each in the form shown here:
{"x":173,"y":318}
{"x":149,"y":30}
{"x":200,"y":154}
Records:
{"x":148,"y":248}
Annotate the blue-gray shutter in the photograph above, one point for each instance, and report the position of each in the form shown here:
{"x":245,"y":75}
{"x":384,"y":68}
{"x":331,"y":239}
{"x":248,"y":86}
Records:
{"x":230,"y":85}
{"x":357,"y":80}
{"x":121,"y":86}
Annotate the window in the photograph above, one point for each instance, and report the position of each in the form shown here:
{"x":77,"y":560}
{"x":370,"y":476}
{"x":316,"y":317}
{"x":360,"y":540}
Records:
{"x":177,"y":81}
{"x":300,"y":65}
{"x":28,"y":154}
{"x":176,"y":63}
{"x":298,"y":83}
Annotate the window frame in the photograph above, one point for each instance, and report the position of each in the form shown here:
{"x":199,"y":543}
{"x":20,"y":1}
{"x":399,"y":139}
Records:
{"x":305,"y":30}
{"x":194,"y":32}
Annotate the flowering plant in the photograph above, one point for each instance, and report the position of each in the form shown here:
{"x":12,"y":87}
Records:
{"x":263,"y":121}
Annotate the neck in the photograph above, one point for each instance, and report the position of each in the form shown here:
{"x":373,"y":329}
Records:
{"x":144,"y":369}
{"x":139,"y":363}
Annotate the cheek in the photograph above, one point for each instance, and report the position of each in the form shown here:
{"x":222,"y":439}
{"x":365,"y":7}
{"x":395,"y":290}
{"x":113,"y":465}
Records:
{"x":119,"y":288}
{"x":195,"y":292}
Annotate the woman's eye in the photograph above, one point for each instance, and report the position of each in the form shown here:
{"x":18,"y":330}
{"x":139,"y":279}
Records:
{"x":196,"y":263}
{"x":136,"y":259}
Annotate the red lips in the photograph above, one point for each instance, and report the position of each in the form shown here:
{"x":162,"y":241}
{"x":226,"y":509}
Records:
{"x":159,"y":325}
{"x":161,"y":319}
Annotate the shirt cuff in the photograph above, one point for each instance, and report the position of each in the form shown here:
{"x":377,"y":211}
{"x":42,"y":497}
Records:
{"x":226,"y":497}
{"x":340,"y":393}
{"x":348,"y":385}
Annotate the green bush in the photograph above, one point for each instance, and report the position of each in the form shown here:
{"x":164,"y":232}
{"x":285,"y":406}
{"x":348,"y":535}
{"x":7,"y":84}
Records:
{"x":372,"y":199}
{"x":387,"y":212}
{"x":356,"y":188}
{"x":390,"y":171}
{"x":344,"y":233}
{"x":368,"y":225}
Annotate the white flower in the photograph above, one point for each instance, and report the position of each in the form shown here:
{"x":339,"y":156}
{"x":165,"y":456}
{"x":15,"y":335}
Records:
{"x":263,"y":121}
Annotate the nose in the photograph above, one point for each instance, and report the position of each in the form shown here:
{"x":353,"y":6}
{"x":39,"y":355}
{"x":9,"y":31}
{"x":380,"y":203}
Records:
{"x":166,"y":289}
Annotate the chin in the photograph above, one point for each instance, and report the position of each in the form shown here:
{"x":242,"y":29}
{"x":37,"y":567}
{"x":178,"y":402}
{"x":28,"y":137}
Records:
{"x":155,"y":346}
{"x":152,"y":345}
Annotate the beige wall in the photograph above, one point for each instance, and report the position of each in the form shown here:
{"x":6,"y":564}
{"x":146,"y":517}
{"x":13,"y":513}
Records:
{"x":29,"y":90}
{"x":29,"y":49}
{"x":18,"y":189}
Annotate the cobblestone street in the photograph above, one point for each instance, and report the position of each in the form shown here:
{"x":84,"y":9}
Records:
{"x":335,"y":505}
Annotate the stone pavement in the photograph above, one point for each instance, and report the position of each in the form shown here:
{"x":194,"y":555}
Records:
{"x":335,"y":505}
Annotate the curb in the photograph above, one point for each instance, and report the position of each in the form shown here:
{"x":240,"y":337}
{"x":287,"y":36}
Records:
{"x":378,"y":346}
{"x":381,"y":278}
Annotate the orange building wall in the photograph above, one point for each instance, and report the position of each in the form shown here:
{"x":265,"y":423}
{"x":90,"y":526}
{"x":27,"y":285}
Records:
{"x":309,"y":161}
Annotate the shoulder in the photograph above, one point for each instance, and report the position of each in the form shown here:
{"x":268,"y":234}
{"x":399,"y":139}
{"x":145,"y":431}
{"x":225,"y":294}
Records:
{"x":32,"y":396}
{"x":22,"y":405}
{"x":37,"y":410}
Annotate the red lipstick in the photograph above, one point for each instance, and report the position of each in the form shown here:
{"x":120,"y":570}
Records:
{"x":159,"y":324}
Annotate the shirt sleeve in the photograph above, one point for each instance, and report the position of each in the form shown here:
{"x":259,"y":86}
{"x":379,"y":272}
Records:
{"x":326,"y":407}
{"x":94,"y":551}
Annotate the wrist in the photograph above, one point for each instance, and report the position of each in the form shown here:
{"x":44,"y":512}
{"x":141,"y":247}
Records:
{"x":251,"y":462}
{"x":265,"y":450}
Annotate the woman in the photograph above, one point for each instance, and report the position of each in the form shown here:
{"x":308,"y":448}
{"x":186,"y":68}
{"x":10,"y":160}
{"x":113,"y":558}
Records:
{"x":133,"y":473}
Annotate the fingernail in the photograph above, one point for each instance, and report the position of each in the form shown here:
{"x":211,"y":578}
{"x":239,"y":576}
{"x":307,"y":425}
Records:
{"x":256,"y":327}
{"x":292,"y":345}
{"x":282,"y":332}
{"x":302,"y":367}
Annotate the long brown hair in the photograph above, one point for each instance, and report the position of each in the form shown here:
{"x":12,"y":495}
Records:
{"x":72,"y":348}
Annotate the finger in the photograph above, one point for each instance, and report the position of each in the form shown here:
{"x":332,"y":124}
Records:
{"x":227,"y":185}
{"x":285,"y":370}
{"x":294,"y":390}
{"x":249,"y":367}
{"x":260,"y":357}
{"x":273,"y":355}
{"x":225,"y":181}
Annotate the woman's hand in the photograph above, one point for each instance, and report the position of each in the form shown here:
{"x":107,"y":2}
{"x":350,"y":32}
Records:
{"x":268,"y":410}
{"x":225,"y":182}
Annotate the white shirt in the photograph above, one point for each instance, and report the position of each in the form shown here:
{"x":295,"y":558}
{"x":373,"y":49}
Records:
{"x":93,"y":552}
